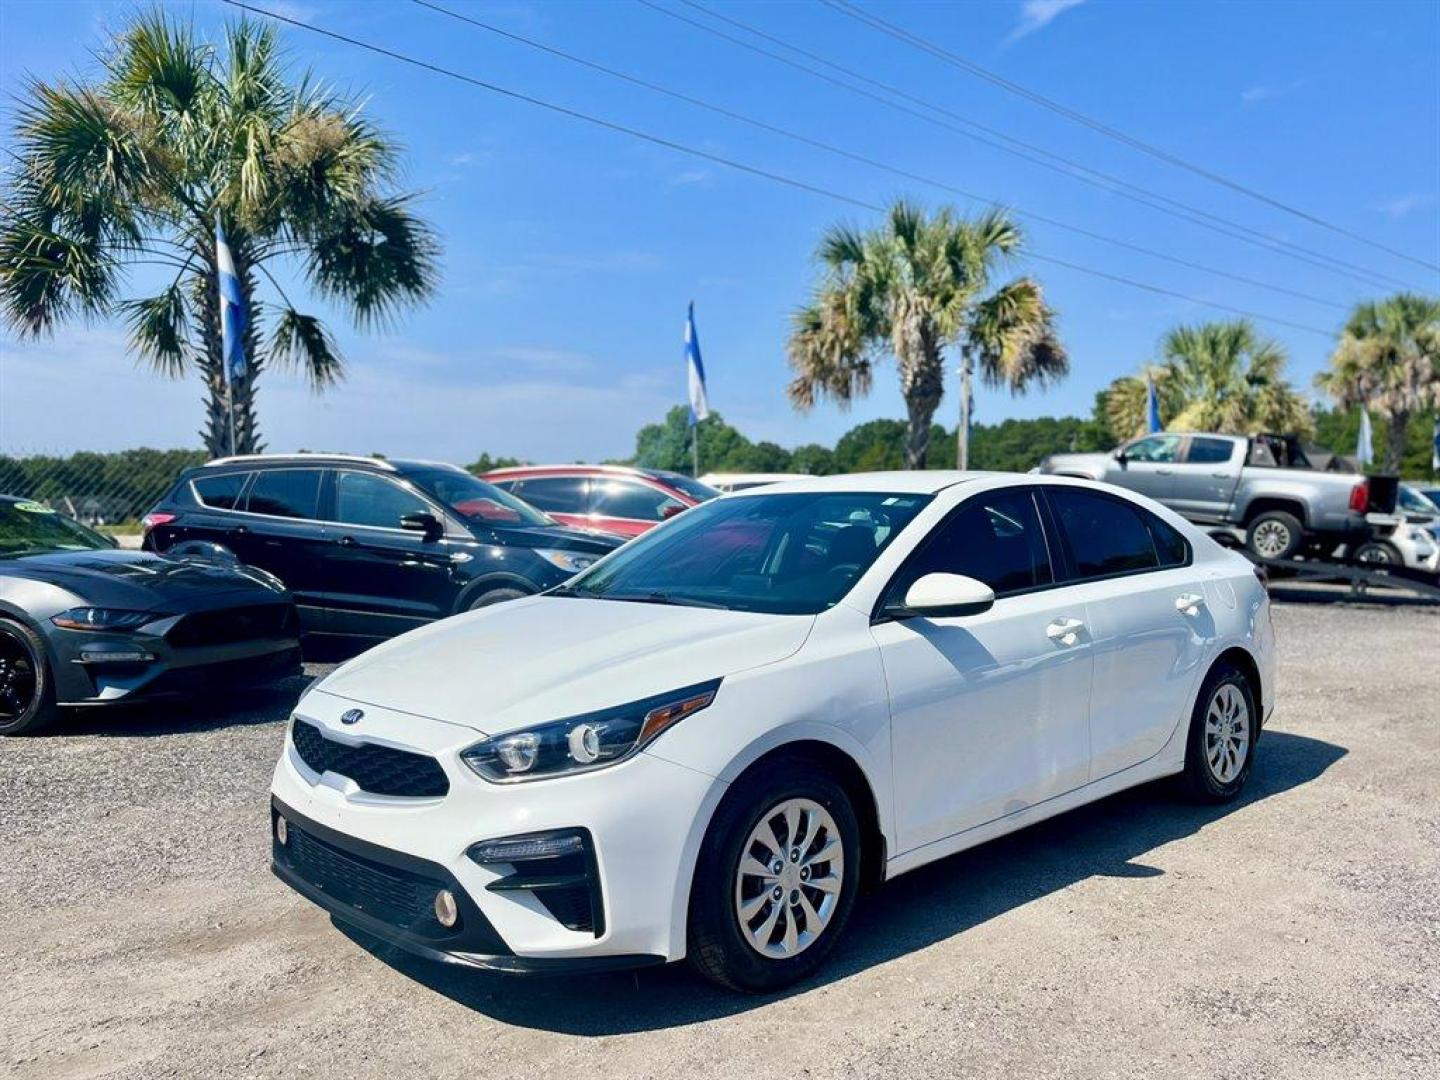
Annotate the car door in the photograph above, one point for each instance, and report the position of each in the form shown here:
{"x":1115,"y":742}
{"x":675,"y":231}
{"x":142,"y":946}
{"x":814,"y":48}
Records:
{"x":1148,"y":466}
{"x":989,"y":712}
{"x":280,"y":531}
{"x":1149,"y":625}
{"x":1204,"y":479}
{"x":381,"y":579}
{"x":629,"y":507}
{"x":217,"y":496}
{"x":564,"y":498}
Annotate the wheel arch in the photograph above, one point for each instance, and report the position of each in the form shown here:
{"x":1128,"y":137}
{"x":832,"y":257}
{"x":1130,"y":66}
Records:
{"x":1240,"y":657}
{"x":501,"y":580}
{"x":1266,"y":503}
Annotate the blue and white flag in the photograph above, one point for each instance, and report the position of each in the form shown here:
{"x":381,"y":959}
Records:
{"x":699,"y":404}
{"x":232,"y":308}
{"x":1435,"y":447}
{"x":1364,"y":450}
{"x":1152,"y":407}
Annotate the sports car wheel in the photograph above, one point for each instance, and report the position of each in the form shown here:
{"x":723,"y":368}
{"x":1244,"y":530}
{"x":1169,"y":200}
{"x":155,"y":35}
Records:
{"x":27,"y":697}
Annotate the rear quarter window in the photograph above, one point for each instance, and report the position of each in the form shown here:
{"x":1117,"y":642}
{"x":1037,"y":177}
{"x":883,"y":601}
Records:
{"x":219,"y":492}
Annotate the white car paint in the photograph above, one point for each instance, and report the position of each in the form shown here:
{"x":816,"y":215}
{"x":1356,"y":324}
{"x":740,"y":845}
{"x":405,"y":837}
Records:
{"x":964,"y":727}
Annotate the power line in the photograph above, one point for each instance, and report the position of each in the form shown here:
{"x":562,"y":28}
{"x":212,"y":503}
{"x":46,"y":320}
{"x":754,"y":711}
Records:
{"x":862,"y":159}
{"x":705,"y":155}
{"x":1161,"y":154}
{"x":1027,"y":151}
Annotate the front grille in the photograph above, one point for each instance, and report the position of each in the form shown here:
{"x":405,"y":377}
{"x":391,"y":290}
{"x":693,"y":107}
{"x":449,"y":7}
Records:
{"x":398,"y":897}
{"x":229,"y":625}
{"x":380,"y":770}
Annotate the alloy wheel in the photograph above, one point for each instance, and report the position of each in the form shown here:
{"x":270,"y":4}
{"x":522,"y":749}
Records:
{"x":1271,"y":539}
{"x":18,"y":681}
{"x":788,"y":882}
{"x":1227,"y":733}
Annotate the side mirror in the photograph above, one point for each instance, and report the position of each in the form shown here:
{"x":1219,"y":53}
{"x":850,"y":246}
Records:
{"x":427,"y":524}
{"x":940,"y":595}
{"x":1121,"y":458}
{"x":670,"y":510}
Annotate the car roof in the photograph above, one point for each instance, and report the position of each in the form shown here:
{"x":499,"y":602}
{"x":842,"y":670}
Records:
{"x":395,"y":465}
{"x":521,"y":471}
{"x":907,"y":482}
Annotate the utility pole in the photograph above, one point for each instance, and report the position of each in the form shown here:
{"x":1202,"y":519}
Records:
{"x":962,"y":433}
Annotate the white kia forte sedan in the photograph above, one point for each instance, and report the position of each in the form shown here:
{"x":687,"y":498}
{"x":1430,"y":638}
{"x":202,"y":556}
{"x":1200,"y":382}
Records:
{"x":709,"y":743}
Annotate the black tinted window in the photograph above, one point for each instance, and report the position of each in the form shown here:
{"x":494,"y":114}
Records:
{"x":367,"y":499}
{"x":1170,"y":546}
{"x":994,"y":538}
{"x":628,"y":499}
{"x":220,"y":492}
{"x":1106,"y":536}
{"x":1208,"y":451}
{"x":564,"y":494}
{"x":286,"y":493}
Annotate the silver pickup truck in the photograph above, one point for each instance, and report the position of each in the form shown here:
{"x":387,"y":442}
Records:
{"x":1261,"y":489}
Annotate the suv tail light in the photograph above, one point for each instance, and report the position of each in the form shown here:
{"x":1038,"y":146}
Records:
{"x":1360,"y":496}
{"x":150,"y":521}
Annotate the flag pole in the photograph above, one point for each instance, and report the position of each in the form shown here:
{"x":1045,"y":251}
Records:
{"x":695,"y":447}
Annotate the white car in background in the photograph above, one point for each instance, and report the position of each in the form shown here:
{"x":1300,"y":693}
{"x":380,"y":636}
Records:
{"x":728,"y":482}
{"x":1409,"y":538}
{"x":710,"y":742}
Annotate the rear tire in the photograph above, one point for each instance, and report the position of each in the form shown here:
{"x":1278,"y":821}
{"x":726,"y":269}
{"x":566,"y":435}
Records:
{"x":27,"y":692}
{"x":1274,"y":534}
{"x":1224,"y":728}
{"x":757,"y":932}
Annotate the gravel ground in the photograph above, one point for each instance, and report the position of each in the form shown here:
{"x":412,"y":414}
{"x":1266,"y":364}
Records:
{"x":1295,"y":933}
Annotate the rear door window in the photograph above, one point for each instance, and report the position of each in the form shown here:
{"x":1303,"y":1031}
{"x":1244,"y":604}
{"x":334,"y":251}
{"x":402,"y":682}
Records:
{"x":628,"y":499}
{"x":1205,"y":451}
{"x":219,"y":492}
{"x":1106,"y":536}
{"x":291,"y":493}
{"x":562,"y":494}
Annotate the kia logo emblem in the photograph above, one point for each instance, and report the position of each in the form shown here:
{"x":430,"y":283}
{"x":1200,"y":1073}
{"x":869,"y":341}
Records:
{"x":352,"y":716}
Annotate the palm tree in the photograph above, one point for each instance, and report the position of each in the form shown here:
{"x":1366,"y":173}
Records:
{"x":1217,"y":376}
{"x":137,"y":169}
{"x":914,"y":287}
{"x":1388,"y":359}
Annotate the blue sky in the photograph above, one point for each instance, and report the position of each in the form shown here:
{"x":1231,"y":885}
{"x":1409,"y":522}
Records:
{"x":570,"y":252}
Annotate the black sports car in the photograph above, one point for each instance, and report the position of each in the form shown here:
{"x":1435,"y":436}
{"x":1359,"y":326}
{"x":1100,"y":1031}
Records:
{"x":83,"y":623}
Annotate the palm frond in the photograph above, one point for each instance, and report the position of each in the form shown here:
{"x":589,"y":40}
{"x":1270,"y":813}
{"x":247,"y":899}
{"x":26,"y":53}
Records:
{"x":828,"y":353}
{"x":1012,"y":334}
{"x":160,"y":329}
{"x":303,"y":342}
{"x":161,"y":68}
{"x":376,"y":258}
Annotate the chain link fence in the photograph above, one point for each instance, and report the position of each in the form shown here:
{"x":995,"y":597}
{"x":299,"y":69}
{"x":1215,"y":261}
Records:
{"x":105,"y":490}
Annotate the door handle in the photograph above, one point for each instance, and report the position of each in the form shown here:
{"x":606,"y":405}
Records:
{"x":346,"y":541}
{"x":1164,"y":472}
{"x":1221,"y":475}
{"x":1189,"y":603}
{"x":1065,"y":631}
{"x":239,"y":530}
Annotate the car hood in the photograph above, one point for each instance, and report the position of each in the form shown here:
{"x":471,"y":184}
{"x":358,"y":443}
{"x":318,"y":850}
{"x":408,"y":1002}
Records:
{"x":134,"y":580}
{"x":1092,"y":465}
{"x":558,"y":537}
{"x":545,"y":658}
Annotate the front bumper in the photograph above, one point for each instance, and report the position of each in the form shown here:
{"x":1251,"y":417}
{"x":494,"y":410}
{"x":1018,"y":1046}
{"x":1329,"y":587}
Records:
{"x":643,"y":818}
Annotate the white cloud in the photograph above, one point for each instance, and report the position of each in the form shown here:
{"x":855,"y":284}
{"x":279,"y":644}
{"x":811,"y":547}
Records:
{"x":691,"y":176}
{"x":1264,"y":92}
{"x":1403,"y":205}
{"x":1038,"y":14}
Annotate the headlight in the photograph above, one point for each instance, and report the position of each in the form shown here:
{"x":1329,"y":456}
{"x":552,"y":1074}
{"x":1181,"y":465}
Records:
{"x":572,"y":562}
{"x":587,"y":742}
{"x":99,"y":618}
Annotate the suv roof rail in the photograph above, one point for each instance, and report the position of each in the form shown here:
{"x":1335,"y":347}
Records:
{"x":240,"y":459}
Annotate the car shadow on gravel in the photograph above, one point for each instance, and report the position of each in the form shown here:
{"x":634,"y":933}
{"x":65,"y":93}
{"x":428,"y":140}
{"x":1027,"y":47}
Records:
{"x":936,"y":902}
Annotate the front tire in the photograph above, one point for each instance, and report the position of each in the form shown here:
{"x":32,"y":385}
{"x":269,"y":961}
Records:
{"x":27,"y":693}
{"x":495,"y":596}
{"x":1224,"y":728}
{"x":1378,"y":553}
{"x":776,"y":879}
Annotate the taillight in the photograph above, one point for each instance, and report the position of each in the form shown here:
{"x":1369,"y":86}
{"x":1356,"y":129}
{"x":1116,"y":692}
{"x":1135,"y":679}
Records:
{"x":1360,"y":497}
{"x":149,"y":521}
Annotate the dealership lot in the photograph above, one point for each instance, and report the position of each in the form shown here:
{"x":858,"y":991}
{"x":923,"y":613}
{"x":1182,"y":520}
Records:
{"x":1293,"y":933}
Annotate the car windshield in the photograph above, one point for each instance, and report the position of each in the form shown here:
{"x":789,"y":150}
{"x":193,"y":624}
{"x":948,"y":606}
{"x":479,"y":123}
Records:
{"x":475,"y":500}
{"x":694,"y":488}
{"x":27,"y":528}
{"x":791,"y":554}
{"x":1414,"y":501}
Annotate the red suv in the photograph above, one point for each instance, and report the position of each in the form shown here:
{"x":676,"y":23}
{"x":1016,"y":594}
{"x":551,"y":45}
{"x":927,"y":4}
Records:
{"x":607,"y":498}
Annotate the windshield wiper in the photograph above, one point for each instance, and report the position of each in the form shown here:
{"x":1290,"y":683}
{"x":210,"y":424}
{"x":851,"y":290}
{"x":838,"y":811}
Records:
{"x":661,"y":598}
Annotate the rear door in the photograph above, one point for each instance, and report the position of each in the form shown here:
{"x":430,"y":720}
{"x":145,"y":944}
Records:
{"x":379,"y":579}
{"x":279,"y":530}
{"x":989,"y":712}
{"x":1206,"y":476}
{"x":1147,"y":617}
{"x":216,"y":497}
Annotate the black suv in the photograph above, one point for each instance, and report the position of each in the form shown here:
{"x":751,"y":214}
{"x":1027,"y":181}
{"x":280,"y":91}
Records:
{"x":372,"y":547}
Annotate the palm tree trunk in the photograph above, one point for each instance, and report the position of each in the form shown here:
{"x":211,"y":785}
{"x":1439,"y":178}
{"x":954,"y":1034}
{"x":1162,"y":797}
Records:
{"x":211,"y":361}
{"x":922,"y":381}
{"x":247,"y":430}
{"x":1395,"y":440}
{"x":962,"y":430}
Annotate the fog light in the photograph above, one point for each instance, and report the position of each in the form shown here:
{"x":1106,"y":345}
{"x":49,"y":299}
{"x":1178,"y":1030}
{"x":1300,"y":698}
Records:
{"x":282,"y":830}
{"x":115,"y":656}
{"x":525,"y":848}
{"x":446,"y":913}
